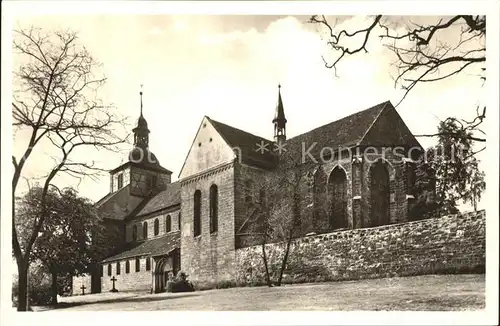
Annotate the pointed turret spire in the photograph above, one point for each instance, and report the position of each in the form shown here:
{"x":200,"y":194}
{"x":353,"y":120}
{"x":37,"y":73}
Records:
{"x":141,"y":132}
{"x":140,"y":93}
{"x":279,"y":120}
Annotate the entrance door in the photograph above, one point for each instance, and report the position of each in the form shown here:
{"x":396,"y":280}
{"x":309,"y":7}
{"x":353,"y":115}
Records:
{"x":379,"y":194}
{"x":162,"y":270}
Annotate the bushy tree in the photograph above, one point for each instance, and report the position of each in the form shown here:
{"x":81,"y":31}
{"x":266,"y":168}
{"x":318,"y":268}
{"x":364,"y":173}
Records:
{"x":64,"y":245}
{"x":451,"y":170}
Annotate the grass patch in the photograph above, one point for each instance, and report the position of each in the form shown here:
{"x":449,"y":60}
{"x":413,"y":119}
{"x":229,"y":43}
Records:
{"x":420,"y":293}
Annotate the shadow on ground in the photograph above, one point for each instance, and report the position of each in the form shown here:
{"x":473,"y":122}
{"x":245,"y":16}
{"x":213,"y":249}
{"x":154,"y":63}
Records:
{"x":136,"y":298}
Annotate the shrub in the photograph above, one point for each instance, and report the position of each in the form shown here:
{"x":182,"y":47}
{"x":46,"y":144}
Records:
{"x":226,"y":284}
{"x":180,"y":284}
{"x":39,"y":289}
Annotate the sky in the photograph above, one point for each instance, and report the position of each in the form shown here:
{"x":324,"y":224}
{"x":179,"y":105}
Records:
{"x":229,"y":68}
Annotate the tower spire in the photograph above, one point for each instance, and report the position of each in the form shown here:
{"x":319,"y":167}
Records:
{"x":279,"y":120}
{"x":141,"y":132}
{"x":140,"y":93}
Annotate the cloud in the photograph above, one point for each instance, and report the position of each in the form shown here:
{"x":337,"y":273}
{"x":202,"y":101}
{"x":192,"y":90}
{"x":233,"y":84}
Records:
{"x":156,"y":31}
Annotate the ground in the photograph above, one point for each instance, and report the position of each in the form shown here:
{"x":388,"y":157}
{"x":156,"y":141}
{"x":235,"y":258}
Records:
{"x":430,"y":292}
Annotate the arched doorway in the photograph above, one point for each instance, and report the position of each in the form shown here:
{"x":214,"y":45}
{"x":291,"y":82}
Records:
{"x":380,"y":194}
{"x":162,"y":272}
{"x":337,"y":186}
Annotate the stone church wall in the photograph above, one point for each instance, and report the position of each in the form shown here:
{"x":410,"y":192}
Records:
{"x":447,"y":244}
{"x":150,"y":219}
{"x":208,"y":257}
{"x":140,"y":181}
{"x":114,"y":179}
{"x":398,"y":183}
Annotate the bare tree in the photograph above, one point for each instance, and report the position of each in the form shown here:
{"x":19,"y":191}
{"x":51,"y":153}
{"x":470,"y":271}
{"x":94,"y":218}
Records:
{"x":55,"y":100}
{"x":277,"y":212}
{"x":422,"y":53}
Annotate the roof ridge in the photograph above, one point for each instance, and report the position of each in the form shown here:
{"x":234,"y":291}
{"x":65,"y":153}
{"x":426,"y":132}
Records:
{"x":372,"y":123}
{"x":241,"y":130}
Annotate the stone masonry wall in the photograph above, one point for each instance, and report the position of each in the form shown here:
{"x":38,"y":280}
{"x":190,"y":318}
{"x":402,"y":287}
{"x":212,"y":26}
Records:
{"x":208,"y":257}
{"x":247,"y":185}
{"x":132,"y":281}
{"x":447,"y":244}
{"x":77,"y":283}
{"x":173,"y":213}
{"x":114,"y":179}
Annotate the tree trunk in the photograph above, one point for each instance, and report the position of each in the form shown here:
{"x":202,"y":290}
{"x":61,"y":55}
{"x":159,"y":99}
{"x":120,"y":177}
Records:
{"x":294,"y":224}
{"x":442,"y":192}
{"x":264,"y":257}
{"x":22,"y":299}
{"x":285,"y":258}
{"x":54,"y":287}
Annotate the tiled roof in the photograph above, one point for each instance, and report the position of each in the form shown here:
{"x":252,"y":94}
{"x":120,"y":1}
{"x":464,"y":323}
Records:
{"x":165,"y":198}
{"x":104,"y":199}
{"x":248,"y":144}
{"x":346,"y":132}
{"x":153,"y":247}
{"x":110,"y":196}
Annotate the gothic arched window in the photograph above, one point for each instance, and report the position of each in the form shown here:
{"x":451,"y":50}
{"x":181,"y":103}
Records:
{"x":109,"y":269}
{"x":148,"y":264}
{"x":118,"y":268}
{"x":137,"y":264}
{"x":145,"y":230}
{"x":214,"y":208}
{"x":157,"y":226}
{"x":127,"y":267}
{"x":197,"y":213}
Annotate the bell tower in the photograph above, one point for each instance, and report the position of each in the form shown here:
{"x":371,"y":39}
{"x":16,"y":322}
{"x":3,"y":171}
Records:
{"x":279,"y":120}
{"x":141,"y":132}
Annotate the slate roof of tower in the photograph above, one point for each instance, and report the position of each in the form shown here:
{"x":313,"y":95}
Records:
{"x":247,"y":142}
{"x":143,"y":164}
{"x":152,"y":247}
{"x":279,"y":116}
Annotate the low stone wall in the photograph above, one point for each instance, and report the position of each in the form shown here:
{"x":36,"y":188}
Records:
{"x":450,"y":244}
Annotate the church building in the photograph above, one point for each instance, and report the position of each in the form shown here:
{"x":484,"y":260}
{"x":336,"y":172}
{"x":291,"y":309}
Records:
{"x":355,"y":172}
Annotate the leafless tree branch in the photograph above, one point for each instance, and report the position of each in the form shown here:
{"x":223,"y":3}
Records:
{"x":421,"y":53}
{"x":56,"y":99}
